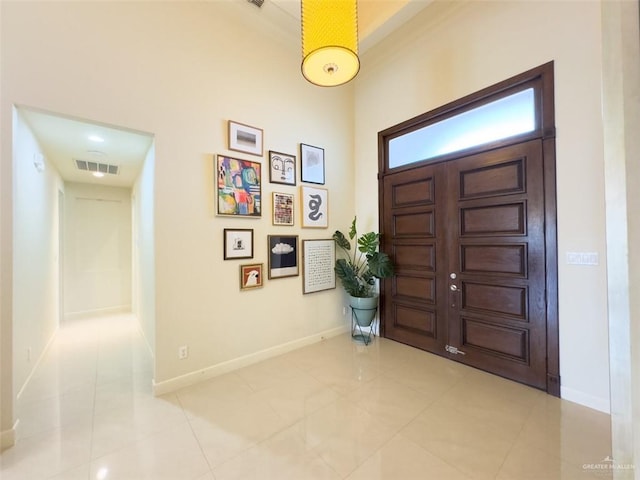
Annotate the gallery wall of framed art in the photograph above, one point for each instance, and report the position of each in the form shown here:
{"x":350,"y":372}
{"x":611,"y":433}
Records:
{"x":243,"y":190}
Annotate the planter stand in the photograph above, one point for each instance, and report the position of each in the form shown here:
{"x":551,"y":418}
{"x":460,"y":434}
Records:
{"x":362,"y":333}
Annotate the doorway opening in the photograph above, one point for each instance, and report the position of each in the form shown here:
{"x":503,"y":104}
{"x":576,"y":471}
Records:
{"x":72,"y":228}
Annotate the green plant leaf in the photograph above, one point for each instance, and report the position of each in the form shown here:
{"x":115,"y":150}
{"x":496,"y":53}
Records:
{"x":368,"y":242}
{"x":341,"y":240}
{"x":347,"y":275}
{"x":352,"y":231}
{"x":380,"y":265}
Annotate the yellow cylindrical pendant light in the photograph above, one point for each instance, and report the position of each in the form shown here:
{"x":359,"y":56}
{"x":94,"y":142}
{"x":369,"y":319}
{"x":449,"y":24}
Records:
{"x":329,"y":41}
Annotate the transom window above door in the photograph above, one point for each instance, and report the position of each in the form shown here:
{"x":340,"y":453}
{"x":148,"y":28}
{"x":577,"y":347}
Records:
{"x":509,"y":116}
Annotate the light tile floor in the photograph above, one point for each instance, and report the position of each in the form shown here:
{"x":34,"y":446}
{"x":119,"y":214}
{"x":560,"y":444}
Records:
{"x":334,"y":410}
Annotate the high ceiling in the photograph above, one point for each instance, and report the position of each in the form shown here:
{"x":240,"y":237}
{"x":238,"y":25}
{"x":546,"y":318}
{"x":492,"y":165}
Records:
{"x":376,"y":18}
{"x":65,"y":140}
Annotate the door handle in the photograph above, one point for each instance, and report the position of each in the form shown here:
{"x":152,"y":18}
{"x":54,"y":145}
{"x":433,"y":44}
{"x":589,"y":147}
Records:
{"x":453,"y":288}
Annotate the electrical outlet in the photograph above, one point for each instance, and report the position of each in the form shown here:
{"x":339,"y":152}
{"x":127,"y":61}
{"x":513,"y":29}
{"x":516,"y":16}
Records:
{"x":183,"y":352}
{"x":344,"y":311}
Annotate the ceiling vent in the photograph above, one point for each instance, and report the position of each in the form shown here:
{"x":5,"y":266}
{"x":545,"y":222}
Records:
{"x":89,"y":166}
{"x":257,"y":3}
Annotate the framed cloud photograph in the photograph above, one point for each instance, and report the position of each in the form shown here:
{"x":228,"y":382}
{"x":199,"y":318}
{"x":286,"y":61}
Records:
{"x":311,"y":164}
{"x":244,"y":138}
{"x":282,"y":208}
{"x":315,"y":207}
{"x":238,"y":186}
{"x":238,"y":243}
{"x":282,"y":168}
{"x":250,"y":276}
{"x":283,"y":256}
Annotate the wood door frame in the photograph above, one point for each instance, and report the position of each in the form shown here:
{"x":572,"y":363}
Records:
{"x":541,"y":79}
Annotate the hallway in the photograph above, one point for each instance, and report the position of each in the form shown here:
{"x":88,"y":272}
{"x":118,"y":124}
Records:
{"x":333,"y":410}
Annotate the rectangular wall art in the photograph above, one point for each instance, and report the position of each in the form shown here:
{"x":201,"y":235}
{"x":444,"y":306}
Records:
{"x":311,"y":164}
{"x":243,"y":138}
{"x":238,"y":243}
{"x":319,"y":258}
{"x":315,"y":208}
{"x":283,"y":256}
{"x":250,"y":276}
{"x":282,"y":168}
{"x":282,"y":208}
{"x":239,"y":187}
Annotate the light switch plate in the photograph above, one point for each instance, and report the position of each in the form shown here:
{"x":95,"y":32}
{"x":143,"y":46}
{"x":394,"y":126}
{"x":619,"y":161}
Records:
{"x":582,"y":258}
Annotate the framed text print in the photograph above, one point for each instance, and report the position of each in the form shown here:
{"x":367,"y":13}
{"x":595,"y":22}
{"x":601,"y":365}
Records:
{"x":319,"y":259}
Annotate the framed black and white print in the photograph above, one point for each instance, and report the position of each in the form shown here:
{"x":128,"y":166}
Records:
{"x":282,"y":168}
{"x":283,"y":256}
{"x":244,"y":138}
{"x":311,"y":164}
{"x":315,"y":207}
{"x":238,"y":243}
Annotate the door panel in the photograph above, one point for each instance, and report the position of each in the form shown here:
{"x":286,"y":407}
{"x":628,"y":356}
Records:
{"x":467,"y":237}
{"x":415,"y":313}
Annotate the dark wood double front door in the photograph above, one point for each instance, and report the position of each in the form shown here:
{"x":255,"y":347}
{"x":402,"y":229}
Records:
{"x":468,"y":240}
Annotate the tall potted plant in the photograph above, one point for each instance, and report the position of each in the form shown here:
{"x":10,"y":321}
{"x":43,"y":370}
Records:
{"x":358,"y":270}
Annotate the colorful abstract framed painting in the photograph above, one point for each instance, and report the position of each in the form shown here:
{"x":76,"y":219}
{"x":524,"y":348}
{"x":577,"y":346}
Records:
{"x":238,"y":243}
{"x":282,"y":168}
{"x":311,"y":164}
{"x":283,"y":256}
{"x":239,"y":188}
{"x":282,"y":208}
{"x":250,"y":276}
{"x":315,"y":207}
{"x":244,"y":138}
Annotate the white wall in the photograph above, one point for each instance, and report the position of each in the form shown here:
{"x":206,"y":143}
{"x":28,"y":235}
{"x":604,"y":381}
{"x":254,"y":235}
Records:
{"x":97,"y":249}
{"x":35,"y":254}
{"x":621,"y":110}
{"x":144,"y":271}
{"x":181,"y":70}
{"x":7,"y":430}
{"x":452,"y":49}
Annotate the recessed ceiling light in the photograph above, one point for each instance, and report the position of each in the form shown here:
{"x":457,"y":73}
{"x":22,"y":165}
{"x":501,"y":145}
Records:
{"x":96,"y":138}
{"x":98,"y":174}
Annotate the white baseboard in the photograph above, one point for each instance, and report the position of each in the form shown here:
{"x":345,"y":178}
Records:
{"x":8,"y":437}
{"x":576,"y":396}
{"x":98,"y":311}
{"x":176,"y":383}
